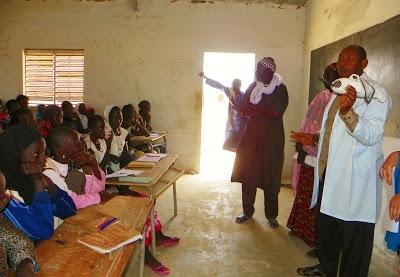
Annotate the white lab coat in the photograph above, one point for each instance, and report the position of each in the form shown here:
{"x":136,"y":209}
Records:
{"x":352,"y":188}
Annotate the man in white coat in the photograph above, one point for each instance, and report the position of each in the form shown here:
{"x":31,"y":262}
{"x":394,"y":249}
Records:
{"x":347,"y":186}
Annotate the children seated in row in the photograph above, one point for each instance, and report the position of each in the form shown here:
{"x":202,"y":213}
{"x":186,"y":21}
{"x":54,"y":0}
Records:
{"x":114,"y":146}
{"x":132,"y":122}
{"x":16,"y":250}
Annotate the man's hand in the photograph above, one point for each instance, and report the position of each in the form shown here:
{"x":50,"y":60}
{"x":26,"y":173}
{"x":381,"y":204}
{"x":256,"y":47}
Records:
{"x":304,"y":138}
{"x":394,"y":208}
{"x":347,"y":100}
{"x":386,"y":170}
{"x":201,"y":74}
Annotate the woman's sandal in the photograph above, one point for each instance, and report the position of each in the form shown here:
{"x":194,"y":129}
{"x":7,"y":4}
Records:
{"x":242,"y":218}
{"x":160,"y":270}
{"x":168,"y":241}
{"x":310,"y":271}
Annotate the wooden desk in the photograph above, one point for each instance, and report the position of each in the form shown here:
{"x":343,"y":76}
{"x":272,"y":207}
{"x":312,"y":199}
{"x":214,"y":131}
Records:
{"x":163,"y":175}
{"x":75,"y":259}
{"x":154,"y":136}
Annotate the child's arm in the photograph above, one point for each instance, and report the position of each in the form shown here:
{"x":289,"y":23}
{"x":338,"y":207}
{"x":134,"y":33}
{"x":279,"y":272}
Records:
{"x":80,"y":200}
{"x":34,"y":220}
{"x":386,"y":170}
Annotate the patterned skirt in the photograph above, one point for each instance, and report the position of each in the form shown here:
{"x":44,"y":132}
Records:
{"x":302,"y":219}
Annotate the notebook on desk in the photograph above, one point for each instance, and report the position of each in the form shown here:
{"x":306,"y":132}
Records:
{"x":138,"y":164}
{"x":111,"y":238}
{"x":135,"y":179}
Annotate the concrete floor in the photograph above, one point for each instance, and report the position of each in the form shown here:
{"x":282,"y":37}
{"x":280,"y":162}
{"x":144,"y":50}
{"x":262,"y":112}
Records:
{"x":212,"y":244}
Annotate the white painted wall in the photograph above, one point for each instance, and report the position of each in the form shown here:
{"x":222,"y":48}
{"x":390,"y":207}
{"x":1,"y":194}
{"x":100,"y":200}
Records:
{"x":330,"y":20}
{"x":154,"y":53}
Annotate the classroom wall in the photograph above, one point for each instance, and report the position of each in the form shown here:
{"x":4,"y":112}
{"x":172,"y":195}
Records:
{"x":330,"y":20}
{"x":154,"y":50}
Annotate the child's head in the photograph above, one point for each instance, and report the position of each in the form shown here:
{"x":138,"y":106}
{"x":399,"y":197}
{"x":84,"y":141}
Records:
{"x":82,"y":108}
{"x":97,"y":126}
{"x":67,"y":109}
{"x":144,"y":106}
{"x":25,"y":116}
{"x":40,"y":109}
{"x":23,"y":101}
{"x":115,"y":118}
{"x":4,"y":196}
{"x":54,"y":114}
{"x":12,"y":106}
{"x":128,"y":112}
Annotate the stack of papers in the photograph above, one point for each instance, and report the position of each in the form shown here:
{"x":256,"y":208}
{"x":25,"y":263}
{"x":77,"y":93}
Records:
{"x":124,"y":172}
{"x":152,"y":158}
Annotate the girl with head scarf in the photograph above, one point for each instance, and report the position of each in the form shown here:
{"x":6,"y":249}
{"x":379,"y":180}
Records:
{"x":35,"y":198}
{"x":259,"y":157}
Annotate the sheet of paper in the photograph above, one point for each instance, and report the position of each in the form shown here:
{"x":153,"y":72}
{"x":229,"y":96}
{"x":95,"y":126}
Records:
{"x":124,"y":172}
{"x":161,"y":155}
{"x":391,"y":225}
{"x":153,"y":158}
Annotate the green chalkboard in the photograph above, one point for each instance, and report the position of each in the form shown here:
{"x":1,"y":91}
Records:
{"x":382,"y":43}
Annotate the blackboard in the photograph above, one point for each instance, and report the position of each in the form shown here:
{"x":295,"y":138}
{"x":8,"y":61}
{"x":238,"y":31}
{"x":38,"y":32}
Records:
{"x":382,"y":43}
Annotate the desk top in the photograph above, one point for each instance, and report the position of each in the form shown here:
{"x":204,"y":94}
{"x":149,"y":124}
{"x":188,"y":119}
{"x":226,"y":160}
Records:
{"x":154,"y":173}
{"x":153,"y":137}
{"x":73,"y":258}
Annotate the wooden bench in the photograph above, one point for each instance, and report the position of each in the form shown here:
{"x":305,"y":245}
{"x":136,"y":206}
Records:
{"x":63,"y":255}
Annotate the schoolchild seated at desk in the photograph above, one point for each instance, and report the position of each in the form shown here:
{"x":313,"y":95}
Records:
{"x":52,"y":117}
{"x":16,"y":249}
{"x":145,"y":113}
{"x":71,"y":118}
{"x":85,"y":186}
{"x":36,"y":199}
{"x":97,"y":142}
{"x":119,"y":153}
{"x":136,"y":126}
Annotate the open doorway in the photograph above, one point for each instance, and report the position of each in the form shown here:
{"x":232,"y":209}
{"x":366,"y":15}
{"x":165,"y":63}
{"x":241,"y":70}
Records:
{"x":222,"y":67}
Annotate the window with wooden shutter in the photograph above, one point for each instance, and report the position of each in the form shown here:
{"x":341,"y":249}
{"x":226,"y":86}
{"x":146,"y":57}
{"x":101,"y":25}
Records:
{"x":52,"y":76}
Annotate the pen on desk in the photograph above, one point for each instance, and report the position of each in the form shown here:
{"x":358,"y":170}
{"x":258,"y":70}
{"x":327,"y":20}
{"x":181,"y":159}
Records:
{"x":106,"y":223}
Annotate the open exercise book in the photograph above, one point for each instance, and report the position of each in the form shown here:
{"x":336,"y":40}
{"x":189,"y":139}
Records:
{"x":111,"y":238}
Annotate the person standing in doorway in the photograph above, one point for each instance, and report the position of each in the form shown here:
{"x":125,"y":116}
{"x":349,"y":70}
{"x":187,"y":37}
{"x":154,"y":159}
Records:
{"x":235,"y":123}
{"x":260,"y":155}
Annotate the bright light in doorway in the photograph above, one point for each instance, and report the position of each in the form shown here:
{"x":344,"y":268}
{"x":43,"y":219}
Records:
{"x":222,"y":67}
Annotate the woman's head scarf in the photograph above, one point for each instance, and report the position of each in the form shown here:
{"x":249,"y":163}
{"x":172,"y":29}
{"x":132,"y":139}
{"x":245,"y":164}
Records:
{"x":17,"y":138}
